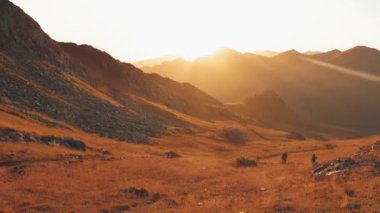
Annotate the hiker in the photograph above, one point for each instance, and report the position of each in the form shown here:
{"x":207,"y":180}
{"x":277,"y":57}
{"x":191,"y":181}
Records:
{"x":314,"y":159}
{"x":284,"y":157}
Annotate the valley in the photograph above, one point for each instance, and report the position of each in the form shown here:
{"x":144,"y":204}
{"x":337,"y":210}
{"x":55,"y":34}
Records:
{"x":81,"y":131}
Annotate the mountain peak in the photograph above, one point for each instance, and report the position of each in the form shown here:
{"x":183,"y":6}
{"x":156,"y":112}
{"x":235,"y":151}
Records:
{"x":266,"y":53}
{"x":288,"y":54}
{"x":311,"y":52}
{"x":327,"y":55}
{"x":226,"y":52}
{"x":362,"y":49}
{"x":19,"y":30}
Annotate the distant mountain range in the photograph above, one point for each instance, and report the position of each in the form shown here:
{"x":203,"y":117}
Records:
{"x":335,"y":90}
{"x":153,"y":61}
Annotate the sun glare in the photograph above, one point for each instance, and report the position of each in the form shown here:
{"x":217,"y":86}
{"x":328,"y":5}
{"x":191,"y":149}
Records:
{"x":133,"y":30}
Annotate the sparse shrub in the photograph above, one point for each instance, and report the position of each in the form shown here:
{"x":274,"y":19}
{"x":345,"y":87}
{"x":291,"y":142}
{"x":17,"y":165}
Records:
{"x":104,"y":152}
{"x":122,"y":208}
{"x":349,"y":192}
{"x":246,"y":162}
{"x":172,"y":154}
{"x":353,"y":206}
{"x":138,"y":192}
{"x":330,"y":146}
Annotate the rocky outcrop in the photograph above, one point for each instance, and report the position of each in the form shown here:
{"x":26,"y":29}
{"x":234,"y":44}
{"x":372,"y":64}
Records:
{"x":336,"y":166}
{"x":11,"y":135}
{"x":19,"y":32}
{"x":366,"y":156}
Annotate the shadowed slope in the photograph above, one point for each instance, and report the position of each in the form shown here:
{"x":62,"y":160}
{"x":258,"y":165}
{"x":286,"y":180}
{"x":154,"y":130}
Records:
{"x":85,"y":87}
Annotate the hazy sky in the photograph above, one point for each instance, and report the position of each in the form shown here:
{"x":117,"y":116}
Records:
{"x":137,"y":29}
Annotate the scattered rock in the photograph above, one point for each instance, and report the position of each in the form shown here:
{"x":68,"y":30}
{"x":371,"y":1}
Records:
{"x":18,"y":170}
{"x":366,"y":156}
{"x":364,"y":150}
{"x":44,"y":208}
{"x":138,"y":192}
{"x":64,"y":141}
{"x":172,"y":154}
{"x":170,"y":202}
{"x":283,"y":208}
{"x":234,"y":135}
{"x":11,"y":135}
{"x":104,"y":152}
{"x":120,"y":209}
{"x":353,"y":206}
{"x":154,"y":198}
{"x":335,"y":166}
{"x":103,"y":211}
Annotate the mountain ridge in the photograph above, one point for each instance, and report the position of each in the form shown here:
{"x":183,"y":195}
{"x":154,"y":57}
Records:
{"x":86,"y":88}
{"x":307,"y":86}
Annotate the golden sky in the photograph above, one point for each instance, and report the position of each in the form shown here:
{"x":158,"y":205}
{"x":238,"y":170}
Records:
{"x":137,"y":29}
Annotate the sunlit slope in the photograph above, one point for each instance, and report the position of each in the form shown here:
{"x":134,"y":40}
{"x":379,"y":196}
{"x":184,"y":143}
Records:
{"x":204,"y":179}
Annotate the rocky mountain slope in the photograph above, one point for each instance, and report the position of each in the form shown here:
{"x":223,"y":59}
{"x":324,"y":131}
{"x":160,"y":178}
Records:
{"x":69,"y":85}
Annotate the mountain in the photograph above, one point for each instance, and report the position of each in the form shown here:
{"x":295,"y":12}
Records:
{"x":63,"y":80}
{"x":361,"y":58}
{"x":309,"y":52}
{"x":154,"y":61}
{"x":327,"y":55}
{"x":79,"y":86}
{"x":317,"y":87}
{"x":267,"y":53}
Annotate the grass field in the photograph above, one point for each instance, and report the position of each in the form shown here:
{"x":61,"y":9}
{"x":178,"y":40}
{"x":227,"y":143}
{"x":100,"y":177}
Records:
{"x":42,"y":178}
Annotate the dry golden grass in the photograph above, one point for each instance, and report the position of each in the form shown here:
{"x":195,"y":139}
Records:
{"x":204,"y":179}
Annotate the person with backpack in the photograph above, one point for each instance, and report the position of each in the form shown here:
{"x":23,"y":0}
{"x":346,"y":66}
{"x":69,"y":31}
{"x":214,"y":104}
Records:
{"x":284,"y":157}
{"x":314,"y":159}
